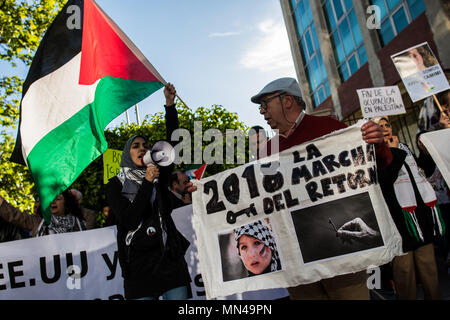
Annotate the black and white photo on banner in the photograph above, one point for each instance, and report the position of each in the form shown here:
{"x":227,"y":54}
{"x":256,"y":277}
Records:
{"x":322,"y":195}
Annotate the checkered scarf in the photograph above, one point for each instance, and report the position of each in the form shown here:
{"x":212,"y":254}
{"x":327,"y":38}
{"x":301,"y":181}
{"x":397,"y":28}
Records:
{"x":261,"y":232}
{"x":130,"y":175}
{"x":59,"y":224}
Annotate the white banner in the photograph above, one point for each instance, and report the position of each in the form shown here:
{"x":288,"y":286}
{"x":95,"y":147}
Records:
{"x":71,"y":266}
{"x":40,"y":268}
{"x":382,"y":101}
{"x":320,"y":214}
{"x":182,"y":217}
{"x":437,"y":144}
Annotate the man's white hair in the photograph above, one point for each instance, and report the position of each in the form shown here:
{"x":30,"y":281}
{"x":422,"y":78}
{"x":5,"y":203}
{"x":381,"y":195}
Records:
{"x":76,"y":193}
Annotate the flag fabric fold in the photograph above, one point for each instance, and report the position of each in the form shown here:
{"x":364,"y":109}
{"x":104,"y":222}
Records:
{"x":79,"y":81}
{"x":198,"y":174}
{"x":195,"y":171}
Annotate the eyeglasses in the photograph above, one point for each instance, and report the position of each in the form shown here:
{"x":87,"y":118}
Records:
{"x":264,"y":102}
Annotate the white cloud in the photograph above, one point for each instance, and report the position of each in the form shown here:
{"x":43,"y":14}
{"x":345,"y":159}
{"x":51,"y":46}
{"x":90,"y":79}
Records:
{"x":222,"y":34}
{"x":270,"y":51}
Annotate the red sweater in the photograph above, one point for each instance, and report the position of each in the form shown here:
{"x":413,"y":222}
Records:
{"x":312,"y":127}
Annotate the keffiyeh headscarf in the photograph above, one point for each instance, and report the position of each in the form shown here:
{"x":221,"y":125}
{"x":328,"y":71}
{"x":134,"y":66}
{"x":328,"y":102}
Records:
{"x":59,"y":224}
{"x":131,"y":175}
{"x":261,"y":232}
{"x":406,"y":197}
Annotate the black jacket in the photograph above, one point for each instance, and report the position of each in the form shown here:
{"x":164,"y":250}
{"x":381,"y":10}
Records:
{"x":423,"y":213}
{"x":10,"y":232}
{"x":176,"y":202}
{"x":149,"y":267}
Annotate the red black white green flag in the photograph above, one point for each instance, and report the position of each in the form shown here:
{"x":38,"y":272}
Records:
{"x":196,"y":171}
{"x":81,"y":78}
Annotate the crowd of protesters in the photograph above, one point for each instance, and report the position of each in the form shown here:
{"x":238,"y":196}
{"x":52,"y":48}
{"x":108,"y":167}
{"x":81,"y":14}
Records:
{"x":140,"y":199}
{"x":421,"y":230}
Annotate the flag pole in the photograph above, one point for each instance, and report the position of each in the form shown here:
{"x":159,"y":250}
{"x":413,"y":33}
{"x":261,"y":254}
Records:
{"x":176,"y":95}
{"x":128,"y":117}
{"x":137,"y":114}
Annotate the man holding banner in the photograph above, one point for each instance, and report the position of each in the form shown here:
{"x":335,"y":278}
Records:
{"x":282,"y":106}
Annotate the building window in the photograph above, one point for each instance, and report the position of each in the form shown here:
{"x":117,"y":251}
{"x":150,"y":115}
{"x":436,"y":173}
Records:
{"x":345,"y":35}
{"x":395,"y":15}
{"x":310,"y":50}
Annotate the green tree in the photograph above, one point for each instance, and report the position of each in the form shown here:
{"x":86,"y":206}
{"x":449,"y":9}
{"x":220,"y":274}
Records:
{"x":90,"y":181}
{"x":22,"y":25}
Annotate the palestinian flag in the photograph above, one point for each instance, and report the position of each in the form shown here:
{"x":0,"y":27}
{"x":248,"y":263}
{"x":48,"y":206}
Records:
{"x":195,"y":171}
{"x":85,"y":73}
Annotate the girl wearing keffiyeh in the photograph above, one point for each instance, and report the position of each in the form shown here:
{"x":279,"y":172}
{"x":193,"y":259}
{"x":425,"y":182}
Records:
{"x":66,"y":217}
{"x":257,"y":248}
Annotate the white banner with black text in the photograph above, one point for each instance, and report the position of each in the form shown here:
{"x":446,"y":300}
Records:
{"x":311,"y":212}
{"x":80,"y":265}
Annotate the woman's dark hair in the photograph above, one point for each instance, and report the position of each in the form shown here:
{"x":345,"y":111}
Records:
{"x":444,"y":97}
{"x":71,"y":206}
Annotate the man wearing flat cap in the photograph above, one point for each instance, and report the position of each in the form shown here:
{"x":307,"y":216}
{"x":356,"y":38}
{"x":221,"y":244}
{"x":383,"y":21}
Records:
{"x":283,"y":108}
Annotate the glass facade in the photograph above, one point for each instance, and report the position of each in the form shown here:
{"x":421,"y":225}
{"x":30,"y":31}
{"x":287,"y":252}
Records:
{"x":395,"y":15}
{"x":345,"y":36}
{"x":309,"y":47}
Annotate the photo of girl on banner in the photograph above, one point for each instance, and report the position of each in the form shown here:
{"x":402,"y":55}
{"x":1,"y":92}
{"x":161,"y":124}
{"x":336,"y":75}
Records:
{"x":249,"y":250}
{"x":420,"y":71}
{"x":415,"y":60}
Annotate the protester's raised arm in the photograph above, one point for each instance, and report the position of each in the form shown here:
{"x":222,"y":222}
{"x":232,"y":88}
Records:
{"x":170,"y":94}
{"x":13,"y":215}
{"x":171,"y":115}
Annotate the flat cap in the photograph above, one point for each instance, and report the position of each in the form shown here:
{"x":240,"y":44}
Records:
{"x":283,"y":85}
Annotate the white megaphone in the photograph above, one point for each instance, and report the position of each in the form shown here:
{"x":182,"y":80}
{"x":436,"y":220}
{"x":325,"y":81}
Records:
{"x":161,"y":154}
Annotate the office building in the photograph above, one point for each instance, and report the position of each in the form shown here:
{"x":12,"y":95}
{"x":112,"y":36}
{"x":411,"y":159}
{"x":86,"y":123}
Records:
{"x":339,"y":46}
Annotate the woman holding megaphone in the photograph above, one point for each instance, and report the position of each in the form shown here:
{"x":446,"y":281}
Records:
{"x":151,"y":249}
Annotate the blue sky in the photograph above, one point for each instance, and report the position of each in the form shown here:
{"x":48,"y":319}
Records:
{"x":214,"y":52}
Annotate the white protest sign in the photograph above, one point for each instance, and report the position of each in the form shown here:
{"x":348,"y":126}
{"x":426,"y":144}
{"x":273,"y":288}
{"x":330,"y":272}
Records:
{"x":322,"y":186}
{"x":84,"y":266}
{"x":182,"y":218}
{"x":437,"y":144}
{"x":382,"y":101}
{"x":70,"y":266}
{"x":420,"y":72}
